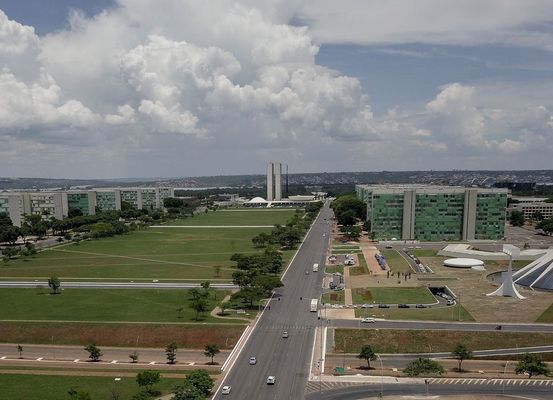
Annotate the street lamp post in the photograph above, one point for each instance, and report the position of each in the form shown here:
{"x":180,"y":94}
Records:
{"x":381,"y":376}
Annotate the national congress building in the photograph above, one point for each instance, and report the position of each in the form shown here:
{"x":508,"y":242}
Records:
{"x":434,"y":213}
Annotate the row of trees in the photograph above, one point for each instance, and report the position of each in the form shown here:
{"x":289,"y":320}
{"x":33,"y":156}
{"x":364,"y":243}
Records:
{"x":348,"y":210}
{"x":530,"y":364}
{"x":546,"y":225}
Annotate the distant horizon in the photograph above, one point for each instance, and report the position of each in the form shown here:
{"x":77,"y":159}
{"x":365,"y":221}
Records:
{"x":262,"y":174}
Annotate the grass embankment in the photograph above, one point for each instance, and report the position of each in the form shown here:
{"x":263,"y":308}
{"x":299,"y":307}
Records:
{"x":44,"y":387}
{"x":547,"y":316}
{"x":419,"y":314}
{"x":154,"y":253}
{"x":423,"y":253}
{"x":141,"y":305}
{"x":123,"y":335}
{"x":422,"y":341}
{"x":395,"y":261}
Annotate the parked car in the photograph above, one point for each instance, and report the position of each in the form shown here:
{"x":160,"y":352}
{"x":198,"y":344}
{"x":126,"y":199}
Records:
{"x":271,"y":380}
{"x":450,"y":302}
{"x":420,"y":306}
{"x":368,"y":320}
{"x":383,"y":306}
{"x":285,"y":334}
{"x":253,"y":360}
{"x":226,"y":390}
{"x":367,"y":306}
{"x":403,"y":306}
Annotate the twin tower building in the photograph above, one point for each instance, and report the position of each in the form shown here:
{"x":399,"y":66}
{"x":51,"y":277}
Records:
{"x":274,"y":181}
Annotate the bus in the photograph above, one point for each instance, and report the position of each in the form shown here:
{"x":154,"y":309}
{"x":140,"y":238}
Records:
{"x":314,"y":304}
{"x":315,"y":267}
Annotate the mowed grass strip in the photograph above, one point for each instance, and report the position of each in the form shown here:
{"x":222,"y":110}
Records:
{"x":424,"y":341}
{"x":142,"y":305}
{"x":120,"y":335}
{"x":395,"y":261}
{"x":333,"y":297}
{"x":51,"y":387}
{"x":413,"y":295}
{"x":547,"y":316}
{"x":238,"y":217}
{"x":147,"y":254}
{"x":418,"y":314}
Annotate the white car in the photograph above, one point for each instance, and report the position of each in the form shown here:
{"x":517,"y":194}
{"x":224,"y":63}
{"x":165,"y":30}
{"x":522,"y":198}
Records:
{"x":271,"y":380}
{"x":368,"y":320}
{"x":253,"y":360}
{"x":226,"y":390}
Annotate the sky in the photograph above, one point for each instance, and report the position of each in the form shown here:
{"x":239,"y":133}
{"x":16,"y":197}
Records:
{"x":165,"y":88}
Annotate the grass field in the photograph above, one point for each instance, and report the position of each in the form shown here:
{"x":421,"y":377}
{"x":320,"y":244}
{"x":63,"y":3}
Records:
{"x":330,"y":269}
{"x":395,"y":261}
{"x":191,"y":336}
{"x":154,"y":253}
{"x":50,"y":387}
{"x":547,"y":315}
{"x":394,"y":295}
{"x":333,"y":297}
{"x":419,"y":341}
{"x":419,"y":314}
{"x":239,"y":217}
{"x":423,"y":253}
{"x":124,"y":305}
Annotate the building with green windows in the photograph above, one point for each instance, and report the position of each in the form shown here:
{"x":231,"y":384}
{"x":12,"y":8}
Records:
{"x":434,"y":213}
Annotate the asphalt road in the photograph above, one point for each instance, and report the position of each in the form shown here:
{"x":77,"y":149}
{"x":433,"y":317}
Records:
{"x":286,"y":359}
{"x":114,"y":285}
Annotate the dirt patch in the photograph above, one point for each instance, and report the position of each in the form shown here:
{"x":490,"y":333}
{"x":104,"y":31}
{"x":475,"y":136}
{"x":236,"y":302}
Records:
{"x":151,"y":335}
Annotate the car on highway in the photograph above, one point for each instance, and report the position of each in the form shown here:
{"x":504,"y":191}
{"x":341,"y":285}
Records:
{"x":367,"y":306}
{"x":368,"y":320}
{"x":285,"y":334}
{"x":420,"y":306}
{"x":383,"y":306}
{"x":389,"y":247}
{"x":226,"y":390}
{"x":271,"y":380}
{"x":450,"y":302}
{"x":403,"y":306}
{"x":253,"y":361}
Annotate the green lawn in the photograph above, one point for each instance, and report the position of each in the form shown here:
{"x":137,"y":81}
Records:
{"x":332,"y":268}
{"x":154,"y":253}
{"x":50,"y":387}
{"x":395,"y":295}
{"x":423,"y":253}
{"x":239,"y":217}
{"x":420,"y":314}
{"x":395,"y":261}
{"x":147,"y":305}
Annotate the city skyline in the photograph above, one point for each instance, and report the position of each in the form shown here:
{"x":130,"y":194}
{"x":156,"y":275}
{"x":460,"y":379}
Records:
{"x":107,"y":89}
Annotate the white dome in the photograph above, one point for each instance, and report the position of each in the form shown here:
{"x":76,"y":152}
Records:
{"x":257,"y":200}
{"x":463,"y":262}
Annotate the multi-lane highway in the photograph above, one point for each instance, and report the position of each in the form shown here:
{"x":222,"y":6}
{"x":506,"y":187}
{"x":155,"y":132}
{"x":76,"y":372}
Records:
{"x":288,"y":359}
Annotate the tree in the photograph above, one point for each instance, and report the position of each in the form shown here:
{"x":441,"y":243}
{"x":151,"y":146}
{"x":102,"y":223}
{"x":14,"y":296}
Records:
{"x":516,"y":218}
{"x":9,"y":233}
{"x":198,"y":301}
{"x":20,"y":350}
{"x":171,"y":352}
{"x":537,"y":216}
{"x":217,"y":269}
{"x":9,"y":253}
{"x":201,"y":380}
{"x":94,"y":352}
{"x":546,"y":226}
{"x":75,"y":394}
{"x":211,"y":350}
{"x":147,"y":379}
{"x":187,"y":391}
{"x":532,"y":364}
{"x":347,"y":217}
{"x":367,"y":353}
{"x":423,"y":366}
{"x":461,"y":352}
{"x":54,"y":284}
{"x":134,"y":357}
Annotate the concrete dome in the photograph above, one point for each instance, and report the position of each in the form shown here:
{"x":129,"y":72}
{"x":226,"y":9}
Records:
{"x":463,"y":262}
{"x":258,"y":200}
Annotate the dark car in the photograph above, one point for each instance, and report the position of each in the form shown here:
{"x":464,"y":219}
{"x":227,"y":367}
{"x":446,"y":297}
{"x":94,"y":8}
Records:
{"x":383,"y":306}
{"x":403,"y":306}
{"x":420,"y":306}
